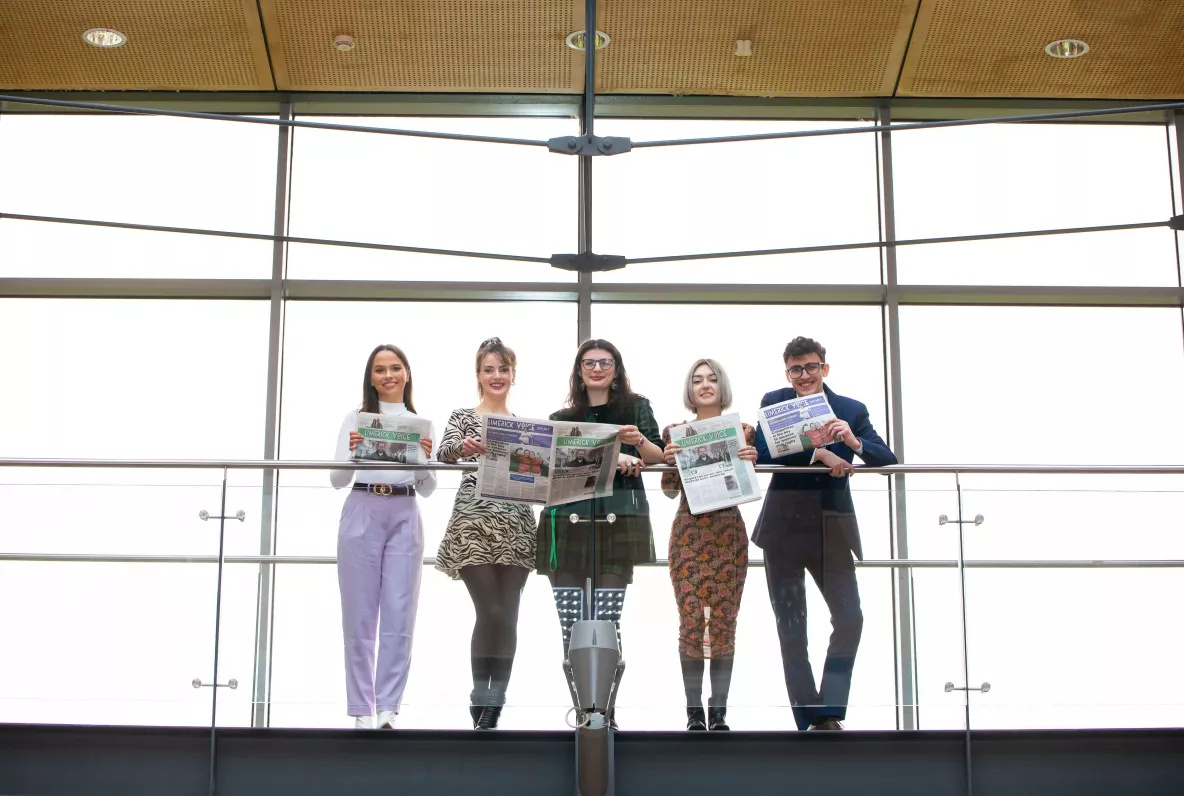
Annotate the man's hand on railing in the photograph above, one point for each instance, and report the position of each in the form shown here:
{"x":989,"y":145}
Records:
{"x":838,"y":467}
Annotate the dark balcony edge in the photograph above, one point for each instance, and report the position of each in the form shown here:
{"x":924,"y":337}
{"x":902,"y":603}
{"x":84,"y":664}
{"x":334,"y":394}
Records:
{"x":67,"y":759}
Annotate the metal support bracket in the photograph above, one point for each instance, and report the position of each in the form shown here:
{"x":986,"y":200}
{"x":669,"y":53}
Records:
{"x":232,"y":684}
{"x":204,"y":515}
{"x":589,"y":145}
{"x":985,"y":688}
{"x":1176,"y":223}
{"x":587,"y":262}
{"x":944,"y":520}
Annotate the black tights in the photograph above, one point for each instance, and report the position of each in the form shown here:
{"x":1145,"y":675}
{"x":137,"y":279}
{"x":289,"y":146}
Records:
{"x":496,"y":590}
{"x":721,"y":680}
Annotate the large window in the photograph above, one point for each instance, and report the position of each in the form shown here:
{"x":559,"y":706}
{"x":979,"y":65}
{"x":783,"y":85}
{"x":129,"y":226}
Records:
{"x":457,"y":195}
{"x":1018,"y":178}
{"x":738,"y":197}
{"x":123,"y":379}
{"x":196,"y":174}
{"x":1069,"y":577}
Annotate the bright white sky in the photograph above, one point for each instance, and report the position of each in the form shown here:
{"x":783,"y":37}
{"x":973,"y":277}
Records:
{"x":185,"y":379}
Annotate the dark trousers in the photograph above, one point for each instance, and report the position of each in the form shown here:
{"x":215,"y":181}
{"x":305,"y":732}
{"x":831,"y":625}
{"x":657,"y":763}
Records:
{"x":826,"y":555}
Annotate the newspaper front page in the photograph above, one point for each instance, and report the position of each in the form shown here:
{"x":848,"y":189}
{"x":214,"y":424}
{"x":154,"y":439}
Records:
{"x":390,"y":438}
{"x":709,"y":464}
{"x":796,"y":425}
{"x":585,"y":461}
{"x":544,"y":461}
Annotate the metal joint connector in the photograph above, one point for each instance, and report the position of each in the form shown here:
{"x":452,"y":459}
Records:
{"x":587,"y":262}
{"x":589,"y":145}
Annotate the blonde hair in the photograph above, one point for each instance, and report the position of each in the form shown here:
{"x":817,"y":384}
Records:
{"x":724,"y":385}
{"x":494,"y":345}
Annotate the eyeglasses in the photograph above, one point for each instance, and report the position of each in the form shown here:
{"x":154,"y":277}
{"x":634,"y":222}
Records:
{"x":797,"y":370}
{"x":590,"y":364}
{"x":493,"y":341}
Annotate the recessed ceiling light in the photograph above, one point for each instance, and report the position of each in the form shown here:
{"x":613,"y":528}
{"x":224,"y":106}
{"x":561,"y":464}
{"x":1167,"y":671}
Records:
{"x":576,"y":40}
{"x":1066,"y":48}
{"x":104,"y":37}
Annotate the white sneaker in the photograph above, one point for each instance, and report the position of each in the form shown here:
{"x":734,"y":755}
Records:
{"x":386,"y":720}
{"x":364,"y":723}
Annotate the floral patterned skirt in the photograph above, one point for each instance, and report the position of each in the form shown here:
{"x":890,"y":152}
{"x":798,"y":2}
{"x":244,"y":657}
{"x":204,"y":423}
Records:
{"x":708,"y":565}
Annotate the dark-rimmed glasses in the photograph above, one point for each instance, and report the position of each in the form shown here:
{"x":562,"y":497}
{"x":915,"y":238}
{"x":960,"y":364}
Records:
{"x":590,"y":364}
{"x":811,"y":368}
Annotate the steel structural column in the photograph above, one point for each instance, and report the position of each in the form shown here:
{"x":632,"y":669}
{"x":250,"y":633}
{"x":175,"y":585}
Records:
{"x":587,"y":128}
{"x":902,"y":578}
{"x":265,"y":601}
{"x":1175,"y":130}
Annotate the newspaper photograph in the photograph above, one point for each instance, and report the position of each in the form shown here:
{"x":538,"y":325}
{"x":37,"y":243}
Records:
{"x":709,"y":464}
{"x":390,"y":438}
{"x":545,"y":462}
{"x":796,"y":425}
{"x":585,"y":461}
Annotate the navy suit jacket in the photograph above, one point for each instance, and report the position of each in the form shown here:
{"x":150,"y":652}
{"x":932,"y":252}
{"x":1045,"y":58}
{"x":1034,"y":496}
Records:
{"x":820,"y":496}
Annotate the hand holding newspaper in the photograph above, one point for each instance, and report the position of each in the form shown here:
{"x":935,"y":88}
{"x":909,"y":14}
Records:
{"x":391,"y":438}
{"x":546,"y":461}
{"x":709,"y":464}
{"x":796,"y":425}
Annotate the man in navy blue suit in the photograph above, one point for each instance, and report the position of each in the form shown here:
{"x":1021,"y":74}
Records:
{"x":807,"y":524}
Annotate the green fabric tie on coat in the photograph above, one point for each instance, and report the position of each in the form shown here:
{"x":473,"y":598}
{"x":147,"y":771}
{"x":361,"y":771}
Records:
{"x":553,"y":560}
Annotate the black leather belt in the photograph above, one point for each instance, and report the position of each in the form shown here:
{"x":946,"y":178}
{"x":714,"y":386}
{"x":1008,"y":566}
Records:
{"x":386,"y":490}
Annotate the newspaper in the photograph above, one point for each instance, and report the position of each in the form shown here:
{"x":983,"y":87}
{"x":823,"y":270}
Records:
{"x":796,"y":425}
{"x":546,"y":462}
{"x":709,"y":464}
{"x":391,"y":438}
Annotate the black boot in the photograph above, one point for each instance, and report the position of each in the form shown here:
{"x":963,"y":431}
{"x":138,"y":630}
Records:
{"x":696,"y":719}
{"x":715,"y":719}
{"x":490,"y":714}
{"x":478,"y":700}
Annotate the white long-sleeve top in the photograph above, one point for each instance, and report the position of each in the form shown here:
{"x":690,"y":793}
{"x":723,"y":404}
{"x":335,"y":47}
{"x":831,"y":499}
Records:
{"x":424,"y":481}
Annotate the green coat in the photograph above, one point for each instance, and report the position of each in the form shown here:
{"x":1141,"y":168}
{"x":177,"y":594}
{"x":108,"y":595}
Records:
{"x":619,"y":545}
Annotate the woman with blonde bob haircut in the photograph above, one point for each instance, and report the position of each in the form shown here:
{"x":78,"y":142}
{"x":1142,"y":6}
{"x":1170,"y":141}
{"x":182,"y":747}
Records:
{"x":708,"y":562}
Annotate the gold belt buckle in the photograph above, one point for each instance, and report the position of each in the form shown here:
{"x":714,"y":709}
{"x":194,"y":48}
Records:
{"x":383,"y":489}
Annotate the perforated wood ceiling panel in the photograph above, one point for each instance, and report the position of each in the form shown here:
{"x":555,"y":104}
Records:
{"x":425,"y":45}
{"x":995,"y":48}
{"x":172,"y":45}
{"x":799,"y":47}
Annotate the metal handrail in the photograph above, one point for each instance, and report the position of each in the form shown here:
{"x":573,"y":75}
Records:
{"x":891,"y":563}
{"x":319,"y":464}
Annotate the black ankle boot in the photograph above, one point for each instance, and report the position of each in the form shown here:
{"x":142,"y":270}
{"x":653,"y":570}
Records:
{"x":715,"y":719}
{"x":490,"y":715}
{"x":695,"y":719}
{"x":478,"y":699}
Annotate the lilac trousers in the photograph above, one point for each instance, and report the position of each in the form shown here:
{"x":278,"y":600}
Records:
{"x":379,"y":563}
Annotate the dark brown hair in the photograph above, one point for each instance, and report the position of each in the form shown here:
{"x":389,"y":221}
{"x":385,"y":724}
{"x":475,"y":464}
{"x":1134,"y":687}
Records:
{"x":370,"y":392}
{"x":803,"y":346}
{"x":621,"y":398}
{"x":494,"y":345}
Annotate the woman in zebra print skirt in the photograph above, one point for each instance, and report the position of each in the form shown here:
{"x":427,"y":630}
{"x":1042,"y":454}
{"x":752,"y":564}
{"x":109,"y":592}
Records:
{"x":489,"y":545}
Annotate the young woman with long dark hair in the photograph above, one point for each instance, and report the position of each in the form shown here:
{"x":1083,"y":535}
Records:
{"x":488,"y":544}
{"x":379,"y":551}
{"x":599,"y":392}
